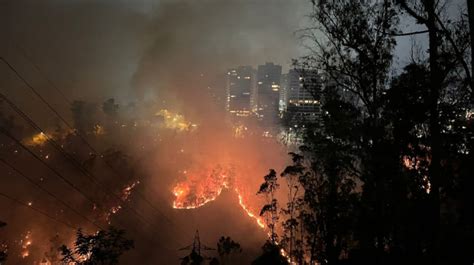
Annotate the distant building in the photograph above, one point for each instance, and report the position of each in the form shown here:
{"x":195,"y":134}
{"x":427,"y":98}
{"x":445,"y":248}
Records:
{"x":268,"y":94}
{"x":303,"y":97}
{"x":283,"y":93}
{"x":240,"y":82}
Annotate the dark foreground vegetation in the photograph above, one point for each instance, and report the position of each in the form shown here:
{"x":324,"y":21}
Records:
{"x":386,"y":175}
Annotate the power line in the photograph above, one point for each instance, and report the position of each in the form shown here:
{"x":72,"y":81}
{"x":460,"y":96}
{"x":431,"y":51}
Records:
{"x":63,"y":152}
{"x":18,"y":142}
{"x":36,"y":210}
{"x":78,"y":133}
{"x":50,"y":82}
{"x":49,"y":167}
{"x":34,"y":90}
{"x":48,"y":192}
{"x":71,"y":159}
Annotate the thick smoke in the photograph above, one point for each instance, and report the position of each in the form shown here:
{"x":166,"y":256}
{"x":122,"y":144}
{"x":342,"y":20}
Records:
{"x":157,"y":54}
{"x":195,"y":38}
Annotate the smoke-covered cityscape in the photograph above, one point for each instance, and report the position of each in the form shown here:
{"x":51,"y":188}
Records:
{"x":225,"y":132}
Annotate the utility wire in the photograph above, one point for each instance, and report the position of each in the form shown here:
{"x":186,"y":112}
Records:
{"x":18,"y":142}
{"x":48,"y":192}
{"x":73,"y":161}
{"x":34,"y":90}
{"x":50,"y":82}
{"x":48,"y":166}
{"x":36,"y":210}
{"x":78,"y":134}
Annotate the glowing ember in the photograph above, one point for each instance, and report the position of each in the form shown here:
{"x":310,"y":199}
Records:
{"x":127,"y":191}
{"x":25,"y":244}
{"x":37,"y":140}
{"x":249,"y":213}
{"x":175,"y":121}
{"x":194,"y":194}
{"x":124,"y":196}
{"x":98,"y":130}
{"x":240,"y":131}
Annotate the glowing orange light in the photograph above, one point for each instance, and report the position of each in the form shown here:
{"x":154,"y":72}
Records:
{"x":249,"y":213}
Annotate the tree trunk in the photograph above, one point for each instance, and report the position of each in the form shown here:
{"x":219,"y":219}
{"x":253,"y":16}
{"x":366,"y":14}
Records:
{"x":470,"y":10}
{"x":435,"y":165}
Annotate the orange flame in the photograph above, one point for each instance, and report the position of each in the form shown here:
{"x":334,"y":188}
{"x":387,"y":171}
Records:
{"x":249,"y":213}
{"x":192,"y":194}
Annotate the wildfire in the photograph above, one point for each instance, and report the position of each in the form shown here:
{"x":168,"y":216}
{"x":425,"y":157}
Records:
{"x":249,"y":213}
{"x":194,"y":194}
{"x":175,"y":121}
{"x":240,"y":131}
{"x":124,"y":196}
{"x":38,"y":139}
{"x":98,"y":130}
{"x":25,"y":244}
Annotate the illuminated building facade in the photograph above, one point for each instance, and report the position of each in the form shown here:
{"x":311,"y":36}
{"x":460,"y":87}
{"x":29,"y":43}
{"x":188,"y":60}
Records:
{"x":268,"y":94}
{"x":282,"y":105}
{"x":240,"y":82}
{"x":303,"y":96}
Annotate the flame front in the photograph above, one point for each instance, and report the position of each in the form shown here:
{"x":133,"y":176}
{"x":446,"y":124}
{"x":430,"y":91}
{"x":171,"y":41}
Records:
{"x":192,"y":194}
{"x":258,"y":219}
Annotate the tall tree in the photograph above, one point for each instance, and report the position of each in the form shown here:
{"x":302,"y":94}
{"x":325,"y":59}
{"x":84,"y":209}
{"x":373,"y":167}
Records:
{"x":270,"y":209}
{"x":101,"y":248}
{"x":225,"y":248}
{"x":428,"y":13}
{"x":353,"y":44}
{"x":3,"y":247}
{"x":470,"y":10}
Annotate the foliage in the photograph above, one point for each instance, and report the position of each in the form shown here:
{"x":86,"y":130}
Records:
{"x":270,"y":209}
{"x":383,"y":179}
{"x":193,"y":259}
{"x":226,"y":247}
{"x":104,"y":247}
{"x":271,"y":255}
{"x":82,"y":114}
{"x":3,"y":250}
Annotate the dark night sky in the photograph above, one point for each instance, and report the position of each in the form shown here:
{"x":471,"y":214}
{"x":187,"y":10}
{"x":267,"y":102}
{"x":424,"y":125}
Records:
{"x":113,"y":48}
{"x":130,"y":49}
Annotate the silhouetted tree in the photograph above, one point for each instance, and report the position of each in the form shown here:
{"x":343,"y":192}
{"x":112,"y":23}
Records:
{"x":225,"y":248}
{"x":82,"y":114}
{"x":353,"y":46}
{"x":214,"y":261}
{"x":101,"y":248}
{"x":193,"y":259}
{"x":293,"y":236}
{"x":441,"y":43}
{"x":270,"y":210}
{"x":110,"y":108}
{"x":271,"y":255}
{"x":3,"y":249}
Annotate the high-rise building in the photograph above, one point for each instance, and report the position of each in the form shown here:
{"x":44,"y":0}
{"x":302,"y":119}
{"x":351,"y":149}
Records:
{"x":240,"y":83}
{"x":268,"y":93}
{"x":283,"y":93}
{"x":304,"y":95}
